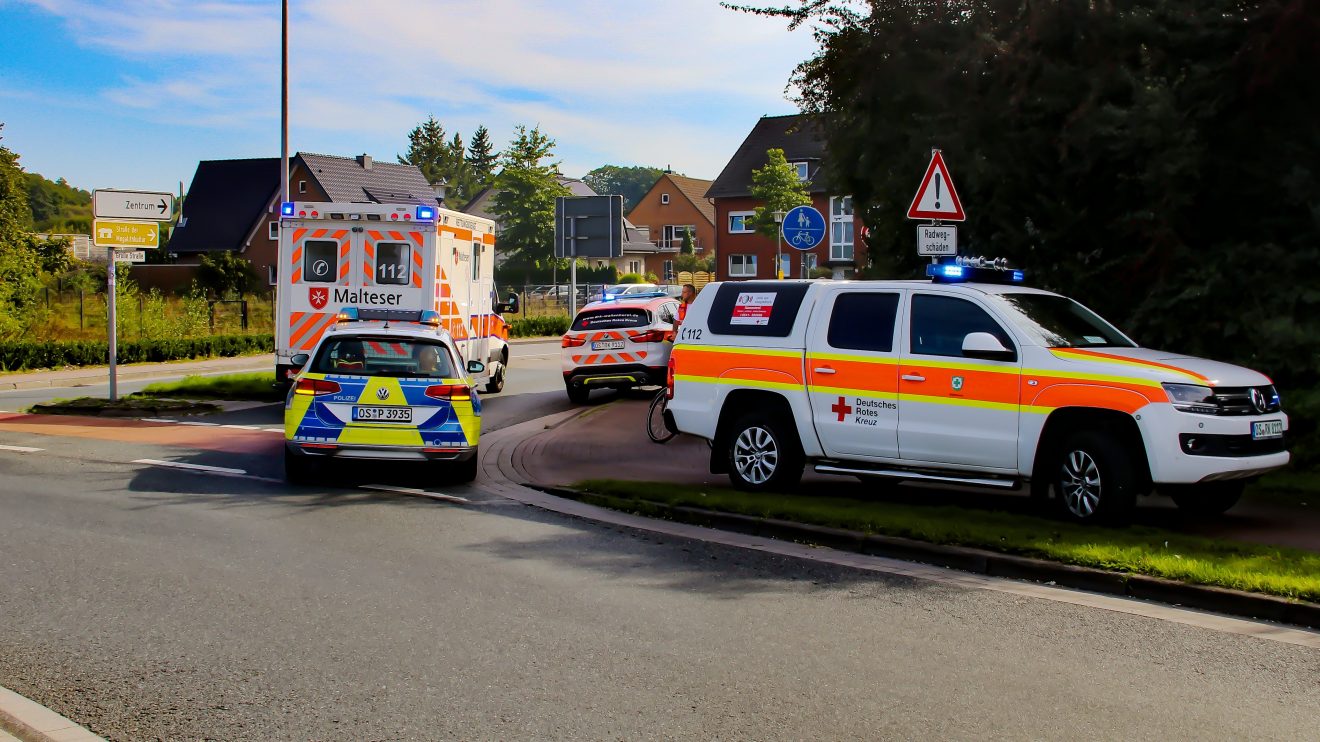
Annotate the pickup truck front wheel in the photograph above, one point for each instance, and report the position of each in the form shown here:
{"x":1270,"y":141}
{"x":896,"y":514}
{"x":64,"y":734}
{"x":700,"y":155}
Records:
{"x":763,"y":454}
{"x":1094,"y":478}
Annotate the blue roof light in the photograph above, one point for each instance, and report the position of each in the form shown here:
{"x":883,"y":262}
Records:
{"x":286,"y":208}
{"x":425,"y":213}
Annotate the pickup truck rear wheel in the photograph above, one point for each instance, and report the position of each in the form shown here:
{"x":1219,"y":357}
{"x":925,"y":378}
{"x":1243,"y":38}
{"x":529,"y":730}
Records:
{"x":1094,"y":478}
{"x":763,"y":454}
{"x":1210,"y":498}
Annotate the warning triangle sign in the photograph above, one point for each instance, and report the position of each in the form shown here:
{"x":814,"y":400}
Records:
{"x":936,"y":198}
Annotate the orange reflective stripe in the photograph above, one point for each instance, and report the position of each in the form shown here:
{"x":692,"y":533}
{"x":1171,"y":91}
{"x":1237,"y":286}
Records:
{"x":722,"y":363}
{"x":880,"y":376}
{"x":308,"y":321}
{"x":298,"y":233}
{"x":319,"y":233}
{"x":984,"y":386}
{"x":318,"y":330}
{"x":1086,"y":395}
{"x":1097,"y":355}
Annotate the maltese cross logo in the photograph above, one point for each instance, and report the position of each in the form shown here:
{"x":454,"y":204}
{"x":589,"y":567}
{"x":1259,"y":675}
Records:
{"x":319,"y":296}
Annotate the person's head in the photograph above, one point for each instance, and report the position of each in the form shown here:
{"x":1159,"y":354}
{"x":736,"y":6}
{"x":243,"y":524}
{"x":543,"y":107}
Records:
{"x":350,"y":351}
{"x":428,"y":359}
{"x":689,"y":293}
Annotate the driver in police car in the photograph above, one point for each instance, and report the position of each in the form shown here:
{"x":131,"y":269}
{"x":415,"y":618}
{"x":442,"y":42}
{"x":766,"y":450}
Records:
{"x":428,"y":359}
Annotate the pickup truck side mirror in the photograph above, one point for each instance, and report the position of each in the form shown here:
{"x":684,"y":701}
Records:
{"x":986,"y":347}
{"x":476,"y":367}
{"x":509,"y":307}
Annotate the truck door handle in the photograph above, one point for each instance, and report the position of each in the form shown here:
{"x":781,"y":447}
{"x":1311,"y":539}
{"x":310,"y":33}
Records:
{"x":913,"y":377}
{"x":824,"y":370}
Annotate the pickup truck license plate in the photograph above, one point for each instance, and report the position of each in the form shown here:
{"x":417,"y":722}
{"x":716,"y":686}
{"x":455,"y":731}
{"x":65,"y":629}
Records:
{"x":1266,"y":429}
{"x":382,"y":414}
{"x":607,"y":345}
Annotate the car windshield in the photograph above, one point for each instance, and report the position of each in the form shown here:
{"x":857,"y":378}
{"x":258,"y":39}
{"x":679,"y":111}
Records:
{"x":1061,"y":322}
{"x":384,"y":356}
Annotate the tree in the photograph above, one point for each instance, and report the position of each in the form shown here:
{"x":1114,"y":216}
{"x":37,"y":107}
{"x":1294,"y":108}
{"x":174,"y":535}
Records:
{"x":686,"y":247}
{"x":457,"y":175}
{"x":631,"y":182}
{"x":778,"y":189}
{"x":481,"y":159}
{"x":20,"y":265}
{"x":525,"y":200}
{"x":428,"y":150}
{"x":1157,"y":160}
{"x":226,"y":274}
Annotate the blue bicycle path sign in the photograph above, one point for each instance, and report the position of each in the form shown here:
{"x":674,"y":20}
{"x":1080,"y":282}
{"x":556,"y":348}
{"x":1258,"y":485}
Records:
{"x":803,"y":227}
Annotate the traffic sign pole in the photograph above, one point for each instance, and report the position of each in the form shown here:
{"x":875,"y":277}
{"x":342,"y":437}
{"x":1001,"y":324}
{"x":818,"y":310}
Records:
{"x":113,"y":329}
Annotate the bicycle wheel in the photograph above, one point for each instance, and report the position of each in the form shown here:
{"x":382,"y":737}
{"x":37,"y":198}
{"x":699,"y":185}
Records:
{"x":655,"y":420}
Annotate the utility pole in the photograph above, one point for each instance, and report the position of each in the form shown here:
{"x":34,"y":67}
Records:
{"x":284,"y":101}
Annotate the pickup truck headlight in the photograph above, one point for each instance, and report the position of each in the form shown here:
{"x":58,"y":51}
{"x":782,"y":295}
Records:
{"x":1192,"y":398}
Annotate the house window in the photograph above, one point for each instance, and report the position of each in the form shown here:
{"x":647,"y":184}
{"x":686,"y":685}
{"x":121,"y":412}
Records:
{"x":741,"y":222}
{"x":664,"y":198}
{"x":742,"y":266}
{"x":841,"y":229}
{"x":669,"y":271}
{"x":273,"y":230}
{"x":302,"y":186}
{"x":800,"y":168}
{"x":635,"y":266}
{"x":672,"y":234}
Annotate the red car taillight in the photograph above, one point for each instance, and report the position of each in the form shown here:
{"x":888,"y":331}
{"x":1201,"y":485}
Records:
{"x":449,"y":392}
{"x":316,"y":387}
{"x":669,"y":379}
{"x":650,"y":336}
{"x":573,"y":341}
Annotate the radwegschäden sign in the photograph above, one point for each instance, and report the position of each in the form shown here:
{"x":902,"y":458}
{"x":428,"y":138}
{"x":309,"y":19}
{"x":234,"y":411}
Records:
{"x":937,"y":199}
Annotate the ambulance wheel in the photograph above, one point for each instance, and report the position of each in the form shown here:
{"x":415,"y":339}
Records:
{"x":1094,"y":478}
{"x":763,"y":454}
{"x":578,"y":394}
{"x":1210,"y":498}
{"x":298,"y":469}
{"x":496,"y":383}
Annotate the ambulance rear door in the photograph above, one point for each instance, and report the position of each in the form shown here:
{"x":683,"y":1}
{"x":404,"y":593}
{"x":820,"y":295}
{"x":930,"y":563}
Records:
{"x":319,"y":264}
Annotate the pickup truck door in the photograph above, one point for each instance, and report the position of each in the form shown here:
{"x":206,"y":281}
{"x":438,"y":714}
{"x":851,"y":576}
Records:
{"x":852,"y":372}
{"x":954,"y":409}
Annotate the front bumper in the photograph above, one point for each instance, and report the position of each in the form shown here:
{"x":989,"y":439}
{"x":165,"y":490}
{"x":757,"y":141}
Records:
{"x":379,"y":453}
{"x":1186,"y":448}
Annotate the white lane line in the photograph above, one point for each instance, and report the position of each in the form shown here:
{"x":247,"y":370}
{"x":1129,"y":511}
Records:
{"x":199,"y":424}
{"x":273,"y":430}
{"x":192,"y":467}
{"x":21,"y":449}
{"x":415,"y":491}
{"x":244,"y":427}
{"x":159,"y":420}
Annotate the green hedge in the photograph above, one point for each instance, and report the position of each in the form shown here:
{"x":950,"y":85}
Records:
{"x":530,"y":327}
{"x":16,"y":356}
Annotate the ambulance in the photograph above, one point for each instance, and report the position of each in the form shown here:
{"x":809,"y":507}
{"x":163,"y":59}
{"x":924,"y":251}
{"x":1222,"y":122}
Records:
{"x":387,"y":260}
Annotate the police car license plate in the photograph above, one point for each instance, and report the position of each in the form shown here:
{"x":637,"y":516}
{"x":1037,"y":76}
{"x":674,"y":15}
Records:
{"x":382,"y":414}
{"x":1266,"y":429}
{"x":607,"y":345}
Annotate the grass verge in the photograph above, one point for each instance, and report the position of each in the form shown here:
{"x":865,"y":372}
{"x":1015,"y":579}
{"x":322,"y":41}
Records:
{"x":1290,"y":573}
{"x":256,"y":386}
{"x":129,"y":406}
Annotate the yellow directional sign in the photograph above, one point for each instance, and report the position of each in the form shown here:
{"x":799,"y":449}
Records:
{"x":113,"y":233}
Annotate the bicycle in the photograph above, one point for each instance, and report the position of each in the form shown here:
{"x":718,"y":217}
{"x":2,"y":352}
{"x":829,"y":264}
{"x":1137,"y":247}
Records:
{"x":656,"y":427}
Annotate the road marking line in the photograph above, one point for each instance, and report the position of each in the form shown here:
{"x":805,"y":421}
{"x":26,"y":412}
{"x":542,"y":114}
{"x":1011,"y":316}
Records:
{"x":158,"y":420}
{"x":415,"y":491}
{"x":191,"y":467}
{"x":199,"y":424}
{"x":243,"y":427}
{"x":21,"y":449}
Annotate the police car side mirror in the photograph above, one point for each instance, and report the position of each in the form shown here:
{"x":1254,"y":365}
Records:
{"x":476,"y":367}
{"x":300,"y":360}
{"x":986,"y":347}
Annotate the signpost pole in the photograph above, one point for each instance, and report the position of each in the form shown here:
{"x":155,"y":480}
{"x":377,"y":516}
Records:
{"x":779,"y":243}
{"x":572,"y":268}
{"x":111,"y":321}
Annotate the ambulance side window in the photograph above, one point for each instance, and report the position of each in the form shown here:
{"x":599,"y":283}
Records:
{"x":320,"y":261}
{"x":392,"y":263}
{"x":476,"y":261}
{"x":863,"y":321}
{"x":940,"y":323}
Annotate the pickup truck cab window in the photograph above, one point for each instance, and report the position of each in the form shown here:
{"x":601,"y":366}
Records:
{"x":941,"y":323}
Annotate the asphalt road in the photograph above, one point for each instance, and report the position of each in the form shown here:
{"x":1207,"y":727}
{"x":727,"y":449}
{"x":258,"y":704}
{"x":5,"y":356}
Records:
{"x":146,"y":602}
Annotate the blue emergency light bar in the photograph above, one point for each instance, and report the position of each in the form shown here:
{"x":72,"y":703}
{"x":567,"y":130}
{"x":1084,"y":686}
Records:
{"x":425,"y":213}
{"x":977,"y":270}
{"x":286,"y":208}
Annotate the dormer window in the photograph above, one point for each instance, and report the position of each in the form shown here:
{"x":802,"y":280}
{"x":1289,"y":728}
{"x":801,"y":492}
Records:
{"x":800,"y":168}
{"x":664,"y":198}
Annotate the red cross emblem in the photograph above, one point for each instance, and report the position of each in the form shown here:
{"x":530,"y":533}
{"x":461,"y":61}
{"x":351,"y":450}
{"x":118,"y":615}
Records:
{"x":841,"y":408}
{"x":319,"y":296}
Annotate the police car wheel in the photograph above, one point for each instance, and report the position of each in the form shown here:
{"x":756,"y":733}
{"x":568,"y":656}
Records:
{"x":1210,"y":498}
{"x":466,"y":471}
{"x":298,"y":469}
{"x":763,"y":454}
{"x":1094,"y":479}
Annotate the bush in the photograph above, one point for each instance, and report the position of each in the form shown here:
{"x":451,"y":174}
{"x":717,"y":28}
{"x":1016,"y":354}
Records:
{"x":630,"y":278}
{"x":530,"y":327}
{"x":16,"y":356}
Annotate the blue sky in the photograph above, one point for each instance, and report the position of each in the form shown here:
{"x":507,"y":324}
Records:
{"x":131,"y":94}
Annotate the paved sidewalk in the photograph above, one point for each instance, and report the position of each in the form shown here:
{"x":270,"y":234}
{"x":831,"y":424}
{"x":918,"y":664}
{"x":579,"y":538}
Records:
{"x":101,"y":374}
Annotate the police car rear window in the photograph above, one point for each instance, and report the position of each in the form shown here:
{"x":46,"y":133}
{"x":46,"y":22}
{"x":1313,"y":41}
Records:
{"x":758,"y":309}
{"x":611,"y":319}
{"x":384,"y":356}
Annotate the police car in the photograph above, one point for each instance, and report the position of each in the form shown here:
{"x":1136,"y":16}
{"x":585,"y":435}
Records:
{"x":971,"y":378}
{"x":386,"y":386}
{"x":618,"y":343}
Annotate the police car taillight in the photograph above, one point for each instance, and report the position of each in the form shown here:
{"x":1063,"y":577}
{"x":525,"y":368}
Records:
{"x":316,"y":387}
{"x":572,"y":341}
{"x":448,"y":392}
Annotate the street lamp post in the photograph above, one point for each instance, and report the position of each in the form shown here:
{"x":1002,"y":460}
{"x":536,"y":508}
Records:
{"x":779,"y":234}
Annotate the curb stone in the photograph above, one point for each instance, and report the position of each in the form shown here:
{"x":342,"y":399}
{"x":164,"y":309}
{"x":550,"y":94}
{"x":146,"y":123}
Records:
{"x":32,"y":722}
{"x":981,"y":561}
